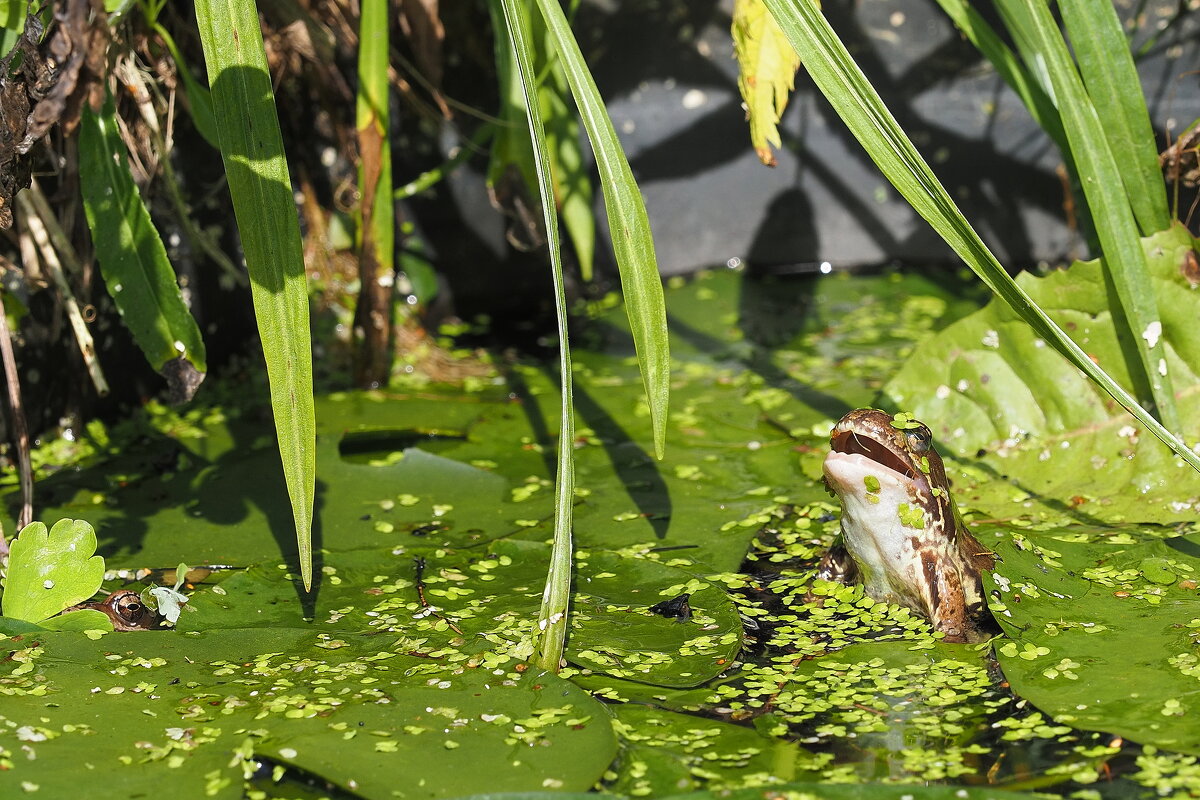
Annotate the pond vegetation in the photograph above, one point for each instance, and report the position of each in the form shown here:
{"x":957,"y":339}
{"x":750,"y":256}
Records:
{"x":529,"y":575}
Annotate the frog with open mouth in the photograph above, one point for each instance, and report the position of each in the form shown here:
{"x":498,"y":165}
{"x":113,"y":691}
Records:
{"x":902,"y":537}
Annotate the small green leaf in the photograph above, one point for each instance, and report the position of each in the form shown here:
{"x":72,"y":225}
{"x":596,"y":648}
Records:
{"x":49,"y":571}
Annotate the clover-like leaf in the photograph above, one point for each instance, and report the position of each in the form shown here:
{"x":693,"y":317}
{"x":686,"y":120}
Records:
{"x":49,"y":571}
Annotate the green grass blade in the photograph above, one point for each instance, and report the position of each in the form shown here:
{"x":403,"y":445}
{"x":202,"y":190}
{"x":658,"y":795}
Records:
{"x":552,"y":619}
{"x":256,"y":167}
{"x":1008,"y":66}
{"x":848,"y":91}
{"x":1108,"y":72}
{"x":628,"y":225}
{"x":132,"y":257}
{"x":198,"y":98}
{"x":572,"y":182}
{"x":1116,"y":228}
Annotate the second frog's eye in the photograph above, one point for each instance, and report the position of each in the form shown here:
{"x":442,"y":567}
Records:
{"x":919,"y":439}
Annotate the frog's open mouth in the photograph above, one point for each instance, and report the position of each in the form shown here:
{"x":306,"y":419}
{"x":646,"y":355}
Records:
{"x":851,"y":442}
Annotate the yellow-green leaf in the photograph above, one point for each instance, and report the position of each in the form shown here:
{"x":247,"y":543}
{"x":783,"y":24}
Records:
{"x":767,"y":67}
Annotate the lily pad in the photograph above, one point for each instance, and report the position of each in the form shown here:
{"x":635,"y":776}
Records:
{"x":86,"y":619}
{"x":1099,"y":640}
{"x":1046,"y":437}
{"x":187,"y":711}
{"x":480,"y":606}
{"x":49,"y":571}
{"x":450,"y":734}
{"x":664,"y":751}
{"x":876,"y":791}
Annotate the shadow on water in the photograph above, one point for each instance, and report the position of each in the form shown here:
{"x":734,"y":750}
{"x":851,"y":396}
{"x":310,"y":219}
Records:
{"x":635,"y":467}
{"x":532,"y":411}
{"x":759,"y":361}
{"x":155,"y":488}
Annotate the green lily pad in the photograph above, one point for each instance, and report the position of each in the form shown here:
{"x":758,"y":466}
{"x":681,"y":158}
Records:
{"x":1099,"y":644}
{"x":664,"y":751}
{"x":1050,"y":440}
{"x":481,"y":604}
{"x":186,"y":711}
{"x":450,"y":734}
{"x":870,"y":791}
{"x":49,"y":571}
{"x":213,"y":503}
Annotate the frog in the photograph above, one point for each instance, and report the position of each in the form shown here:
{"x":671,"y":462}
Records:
{"x":901,"y":535}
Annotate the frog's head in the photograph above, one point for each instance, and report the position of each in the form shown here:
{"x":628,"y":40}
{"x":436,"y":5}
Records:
{"x":897,"y":443}
{"x":874,"y":455}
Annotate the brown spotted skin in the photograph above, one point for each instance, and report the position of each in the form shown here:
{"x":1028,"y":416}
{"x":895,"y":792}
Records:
{"x":940,"y":566}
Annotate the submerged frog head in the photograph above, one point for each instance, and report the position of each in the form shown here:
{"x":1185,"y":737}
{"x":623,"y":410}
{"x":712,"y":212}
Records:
{"x":901,"y":536}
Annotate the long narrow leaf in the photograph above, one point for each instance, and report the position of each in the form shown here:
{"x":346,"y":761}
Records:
{"x":1115,"y":226}
{"x":1008,"y":66}
{"x":628,"y":225}
{"x":842,"y":82}
{"x":255,"y":164}
{"x":132,"y":257}
{"x":1107,"y":69}
{"x":552,"y":619}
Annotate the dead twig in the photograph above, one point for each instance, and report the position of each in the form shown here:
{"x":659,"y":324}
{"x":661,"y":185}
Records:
{"x":83,"y":337}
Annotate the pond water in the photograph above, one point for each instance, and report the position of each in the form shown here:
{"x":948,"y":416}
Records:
{"x":402,"y":675}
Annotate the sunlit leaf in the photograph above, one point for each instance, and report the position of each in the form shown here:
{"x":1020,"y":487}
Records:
{"x":628,"y":225}
{"x":767,"y":67}
{"x":1103,"y":633}
{"x":990,"y":388}
{"x":260,"y":186}
{"x":1101,"y":175}
{"x":1107,"y":68}
{"x":133,"y":260}
{"x":50,"y":570}
{"x":553,"y":615}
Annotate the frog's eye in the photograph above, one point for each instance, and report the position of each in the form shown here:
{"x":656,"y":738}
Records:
{"x":919,"y":439}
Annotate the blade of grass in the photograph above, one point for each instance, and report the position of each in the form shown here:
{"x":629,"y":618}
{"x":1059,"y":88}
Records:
{"x":198,"y":99}
{"x":552,"y":619}
{"x":1124,"y":258}
{"x":848,"y":91}
{"x":1008,"y":66}
{"x":628,"y":225}
{"x":261,"y":189}
{"x":1112,"y":82}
